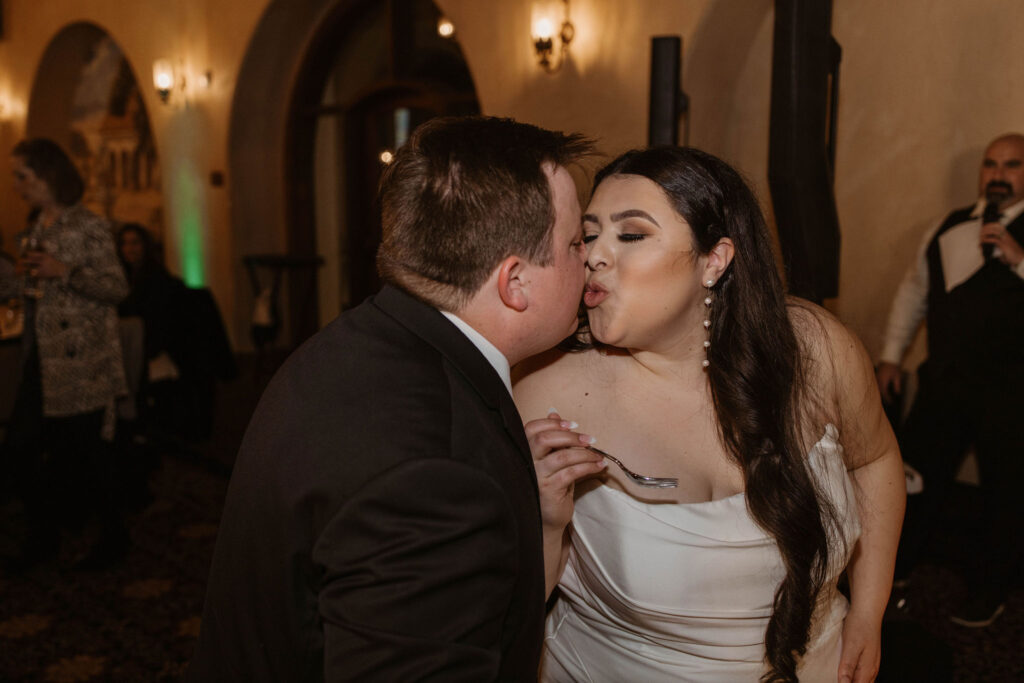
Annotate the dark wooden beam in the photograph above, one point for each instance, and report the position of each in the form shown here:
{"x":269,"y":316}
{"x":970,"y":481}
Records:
{"x":804,"y":69}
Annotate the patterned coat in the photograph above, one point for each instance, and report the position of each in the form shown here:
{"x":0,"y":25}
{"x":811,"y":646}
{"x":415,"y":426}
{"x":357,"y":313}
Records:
{"x":76,"y":319}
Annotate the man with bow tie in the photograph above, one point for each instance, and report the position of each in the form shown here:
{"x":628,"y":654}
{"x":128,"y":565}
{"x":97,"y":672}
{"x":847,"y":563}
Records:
{"x":968,"y":283}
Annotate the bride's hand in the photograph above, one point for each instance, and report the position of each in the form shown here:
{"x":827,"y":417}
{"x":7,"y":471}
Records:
{"x":560,"y":461}
{"x":862,"y":650}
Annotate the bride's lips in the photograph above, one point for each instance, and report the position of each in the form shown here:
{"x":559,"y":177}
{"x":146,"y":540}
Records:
{"x":594,"y":294}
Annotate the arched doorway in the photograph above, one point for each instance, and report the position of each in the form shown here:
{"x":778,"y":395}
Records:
{"x":341,"y":66}
{"x":372,"y":73}
{"x":85,"y":97}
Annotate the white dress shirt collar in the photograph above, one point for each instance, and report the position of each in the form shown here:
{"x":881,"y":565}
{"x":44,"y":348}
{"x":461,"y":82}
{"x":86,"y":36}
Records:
{"x":495,"y":357}
{"x":1007,"y":214}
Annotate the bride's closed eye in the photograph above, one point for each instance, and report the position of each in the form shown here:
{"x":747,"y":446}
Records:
{"x":622,"y":237}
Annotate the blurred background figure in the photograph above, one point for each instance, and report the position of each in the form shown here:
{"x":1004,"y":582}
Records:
{"x":184,"y":342}
{"x":56,"y":447}
{"x":968,"y":283}
{"x":153,"y":341}
{"x":157,"y":297}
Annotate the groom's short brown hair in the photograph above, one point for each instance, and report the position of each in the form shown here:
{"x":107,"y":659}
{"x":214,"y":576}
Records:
{"x":463,"y":194}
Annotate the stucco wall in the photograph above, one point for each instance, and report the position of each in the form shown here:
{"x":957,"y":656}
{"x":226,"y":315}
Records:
{"x":924,"y":86}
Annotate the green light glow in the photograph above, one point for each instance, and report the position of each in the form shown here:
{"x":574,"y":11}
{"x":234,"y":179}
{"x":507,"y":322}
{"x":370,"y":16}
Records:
{"x":186,"y":194}
{"x":188,"y":219}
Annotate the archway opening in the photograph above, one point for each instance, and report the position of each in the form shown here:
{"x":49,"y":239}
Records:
{"x":86,"y":98}
{"x":303,"y":173}
{"x":373,"y":72}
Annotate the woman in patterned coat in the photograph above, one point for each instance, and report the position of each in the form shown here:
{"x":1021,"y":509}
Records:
{"x":71,"y":281}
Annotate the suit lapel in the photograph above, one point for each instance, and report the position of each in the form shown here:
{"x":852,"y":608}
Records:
{"x":428,"y":323}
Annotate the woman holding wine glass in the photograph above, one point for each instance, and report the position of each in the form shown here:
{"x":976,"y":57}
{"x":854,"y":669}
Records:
{"x":70,"y":281}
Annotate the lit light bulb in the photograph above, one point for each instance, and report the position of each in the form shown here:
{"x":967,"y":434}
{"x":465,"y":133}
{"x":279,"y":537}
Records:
{"x":445,"y":28}
{"x":163,"y":77}
{"x":543,"y":29}
{"x":386,"y":157}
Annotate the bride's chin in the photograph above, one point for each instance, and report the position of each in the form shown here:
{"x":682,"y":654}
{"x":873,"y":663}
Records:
{"x":601,"y":335}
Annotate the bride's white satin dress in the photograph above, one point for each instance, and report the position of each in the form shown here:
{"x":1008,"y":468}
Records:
{"x":683,"y":592}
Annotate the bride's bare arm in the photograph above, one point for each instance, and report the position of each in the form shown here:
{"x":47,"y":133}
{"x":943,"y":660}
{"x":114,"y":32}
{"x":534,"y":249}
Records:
{"x":873,"y":459}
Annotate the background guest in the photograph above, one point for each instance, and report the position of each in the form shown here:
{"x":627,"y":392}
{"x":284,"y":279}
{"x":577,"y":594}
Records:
{"x":71,"y":366}
{"x":155,"y":295}
{"x":968,"y":281}
{"x":185,"y":345}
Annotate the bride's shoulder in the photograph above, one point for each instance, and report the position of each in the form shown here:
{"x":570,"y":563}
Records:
{"x":551,"y":366}
{"x":553,"y":375}
{"x":819,"y":332}
{"x":834,"y":356}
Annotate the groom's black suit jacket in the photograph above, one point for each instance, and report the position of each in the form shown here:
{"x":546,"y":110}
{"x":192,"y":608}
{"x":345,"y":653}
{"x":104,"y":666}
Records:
{"x":382,"y":520}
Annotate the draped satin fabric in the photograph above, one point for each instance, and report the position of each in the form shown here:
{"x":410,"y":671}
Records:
{"x":670,"y":592}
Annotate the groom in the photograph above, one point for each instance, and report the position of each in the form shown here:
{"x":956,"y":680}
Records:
{"x":382,"y":520}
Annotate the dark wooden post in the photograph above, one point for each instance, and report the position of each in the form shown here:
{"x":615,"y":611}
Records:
{"x":802,"y":146}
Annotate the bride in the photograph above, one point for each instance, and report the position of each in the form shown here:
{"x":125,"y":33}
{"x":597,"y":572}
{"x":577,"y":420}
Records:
{"x":695,"y":366}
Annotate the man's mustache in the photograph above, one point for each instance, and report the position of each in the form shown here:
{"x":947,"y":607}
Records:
{"x":997,"y":189}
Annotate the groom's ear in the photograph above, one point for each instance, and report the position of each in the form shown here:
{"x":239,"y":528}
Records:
{"x":511,"y":285}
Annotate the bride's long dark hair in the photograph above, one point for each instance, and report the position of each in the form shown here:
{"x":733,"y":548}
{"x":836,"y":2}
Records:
{"x":757,"y":379}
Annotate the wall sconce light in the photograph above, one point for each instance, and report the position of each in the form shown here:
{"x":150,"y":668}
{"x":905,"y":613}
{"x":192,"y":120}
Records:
{"x":11,"y":106}
{"x":544,"y":39}
{"x":167,"y":80}
{"x":445,"y":28}
{"x":163,"y":78}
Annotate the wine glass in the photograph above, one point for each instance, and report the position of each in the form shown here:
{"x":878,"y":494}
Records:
{"x":33,"y":289}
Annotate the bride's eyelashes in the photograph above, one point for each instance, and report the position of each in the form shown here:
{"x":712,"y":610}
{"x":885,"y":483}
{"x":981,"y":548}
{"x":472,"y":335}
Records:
{"x":624,"y":237}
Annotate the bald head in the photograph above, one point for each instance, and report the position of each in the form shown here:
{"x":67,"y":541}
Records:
{"x":1002,"y":170}
{"x":1015,"y":138}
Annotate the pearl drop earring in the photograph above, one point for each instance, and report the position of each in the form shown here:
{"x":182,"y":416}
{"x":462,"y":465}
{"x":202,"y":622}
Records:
{"x":707,"y":323}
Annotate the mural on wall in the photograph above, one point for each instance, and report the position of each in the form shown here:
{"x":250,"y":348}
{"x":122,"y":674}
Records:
{"x":112,"y":144}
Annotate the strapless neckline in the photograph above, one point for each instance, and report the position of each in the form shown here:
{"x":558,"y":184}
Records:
{"x":666,"y":592}
{"x":816,"y":456}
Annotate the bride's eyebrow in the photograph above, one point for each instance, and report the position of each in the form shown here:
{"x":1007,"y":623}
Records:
{"x":634,"y":213}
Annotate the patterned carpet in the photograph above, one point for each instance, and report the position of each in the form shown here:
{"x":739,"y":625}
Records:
{"x":134,"y":622}
{"x":138,"y":621}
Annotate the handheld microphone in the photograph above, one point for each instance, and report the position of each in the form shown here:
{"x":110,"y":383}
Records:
{"x":991,"y":215}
